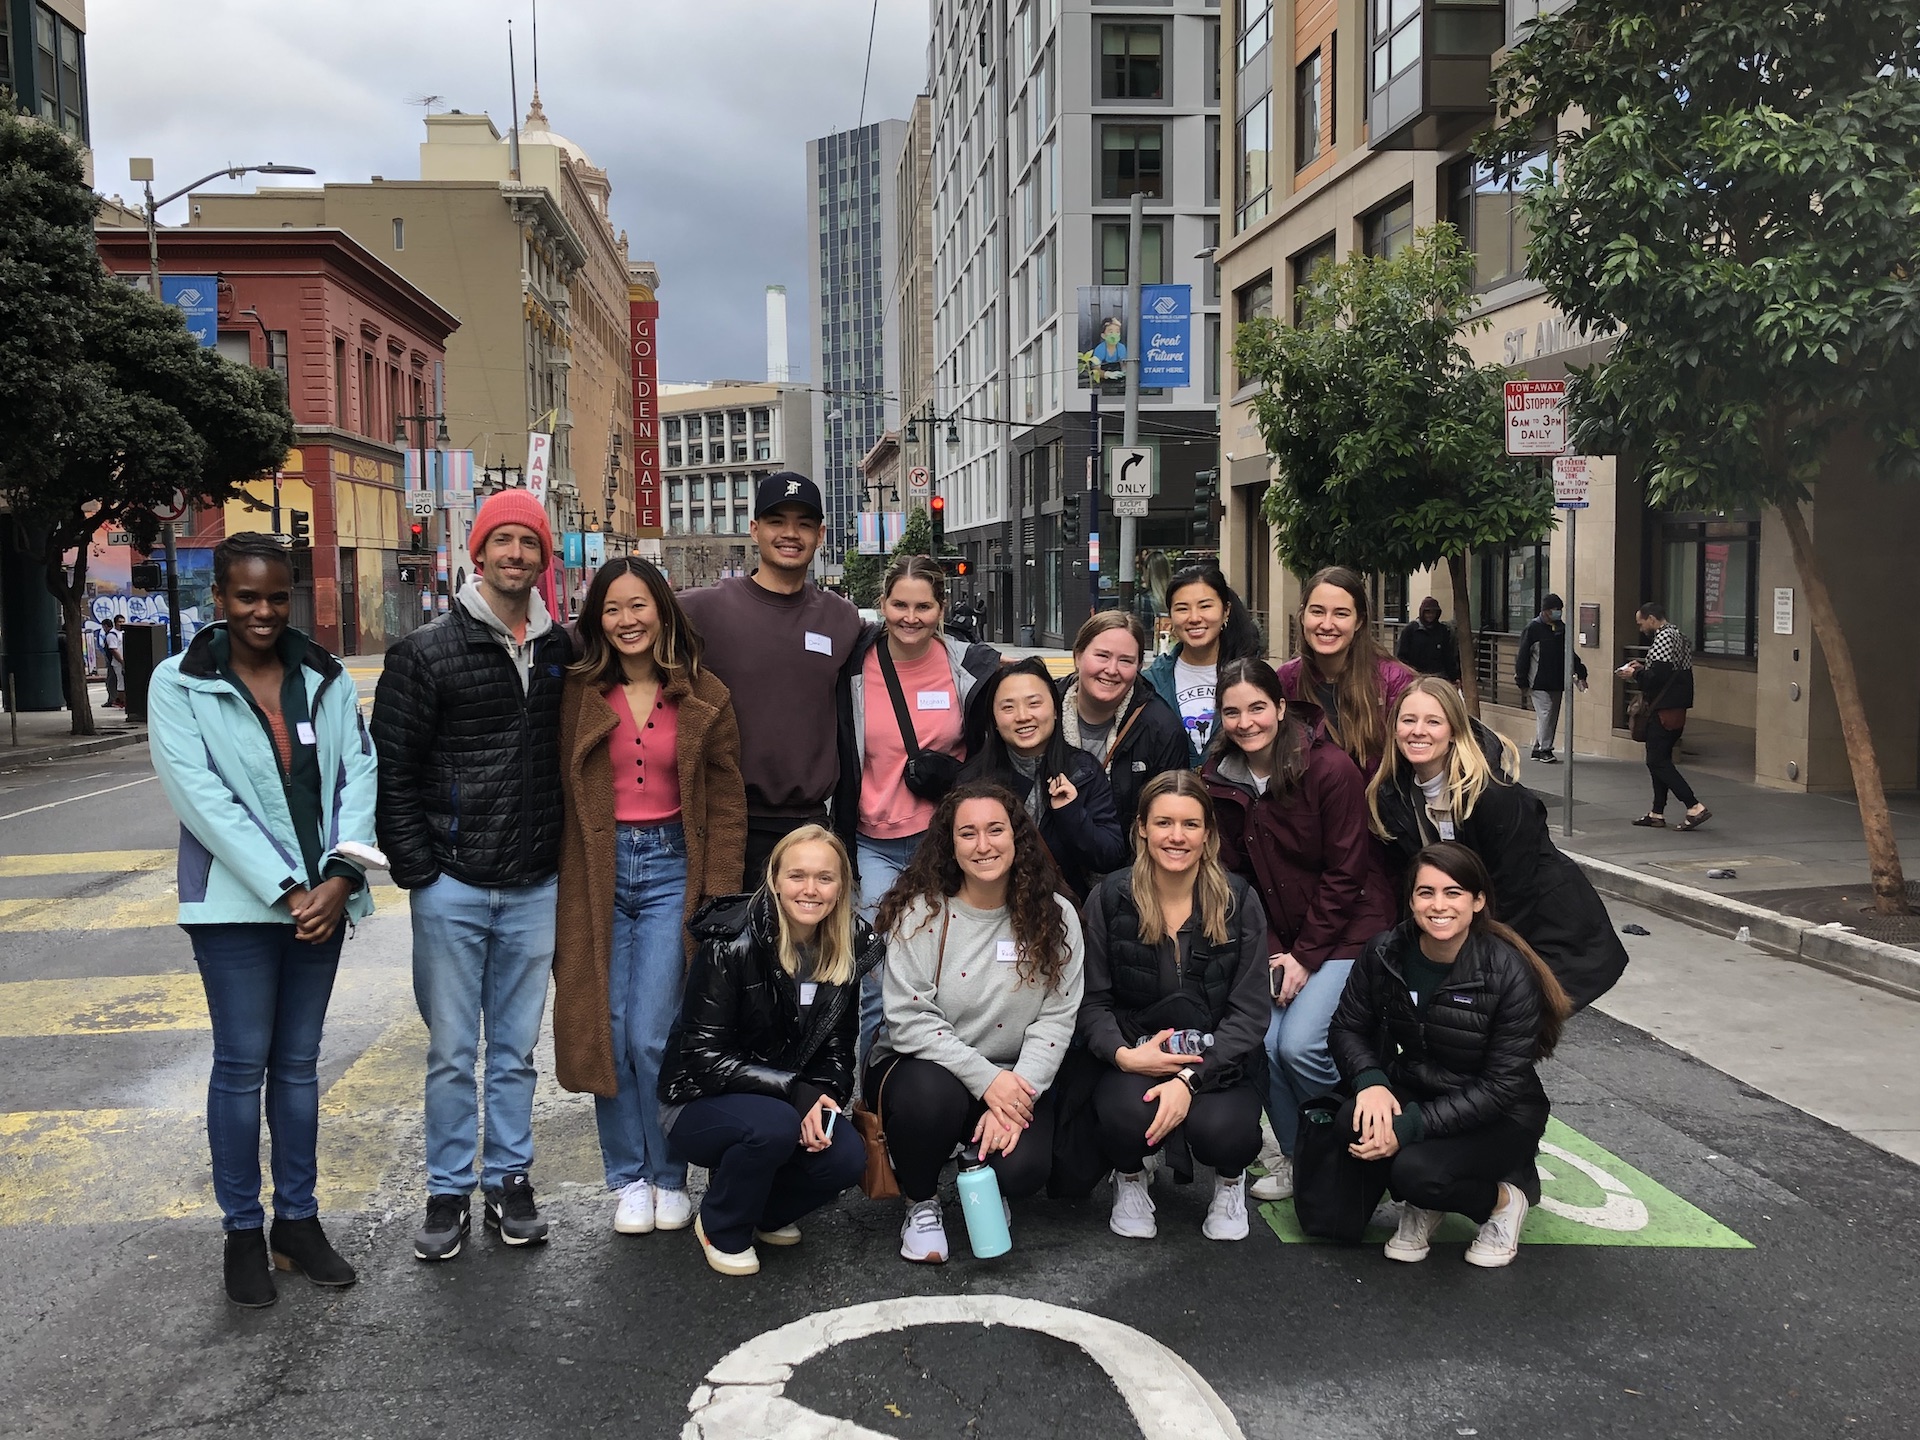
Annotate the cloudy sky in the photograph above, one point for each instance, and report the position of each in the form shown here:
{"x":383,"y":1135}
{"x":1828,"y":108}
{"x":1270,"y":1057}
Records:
{"x":698,"y":109}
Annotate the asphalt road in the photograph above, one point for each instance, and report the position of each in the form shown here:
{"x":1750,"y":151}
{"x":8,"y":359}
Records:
{"x":1715,"y":1263}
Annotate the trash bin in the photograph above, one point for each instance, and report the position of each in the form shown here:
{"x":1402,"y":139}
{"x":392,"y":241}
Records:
{"x":1026,"y":635}
{"x":144,"y":647}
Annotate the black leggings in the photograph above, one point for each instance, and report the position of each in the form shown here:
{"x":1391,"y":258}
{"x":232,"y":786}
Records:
{"x":1222,"y":1127}
{"x":926,"y":1111}
{"x":1459,"y":1174}
{"x":1666,"y":775}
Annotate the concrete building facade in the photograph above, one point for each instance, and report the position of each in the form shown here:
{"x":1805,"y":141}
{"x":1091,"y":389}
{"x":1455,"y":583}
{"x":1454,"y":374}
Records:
{"x":719,"y":440}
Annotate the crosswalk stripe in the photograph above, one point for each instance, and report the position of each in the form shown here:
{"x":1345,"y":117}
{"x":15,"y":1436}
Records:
{"x":143,"y":902}
{"x":70,"y":1167}
{"x":103,"y":1005}
{"x":85,"y":862}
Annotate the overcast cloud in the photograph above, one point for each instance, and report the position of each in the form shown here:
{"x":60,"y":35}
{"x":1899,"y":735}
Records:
{"x":698,"y":109}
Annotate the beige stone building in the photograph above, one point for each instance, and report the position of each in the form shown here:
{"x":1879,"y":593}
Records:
{"x":1347,"y":126}
{"x":718,"y":441}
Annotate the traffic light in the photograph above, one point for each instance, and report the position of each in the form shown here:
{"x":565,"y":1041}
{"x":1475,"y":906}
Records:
{"x":956,"y":567}
{"x":1070,"y":522}
{"x":1205,"y":526}
{"x":419,"y":542}
{"x":937,"y":507}
{"x":300,"y":528}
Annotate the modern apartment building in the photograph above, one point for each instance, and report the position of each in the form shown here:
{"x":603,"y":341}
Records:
{"x":1048,"y":116}
{"x":1351,"y":123}
{"x":853,"y":245}
{"x":719,"y":440}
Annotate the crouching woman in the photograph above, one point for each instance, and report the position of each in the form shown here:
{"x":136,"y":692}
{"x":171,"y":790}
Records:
{"x":760,"y":1065}
{"x":1437,"y":1035}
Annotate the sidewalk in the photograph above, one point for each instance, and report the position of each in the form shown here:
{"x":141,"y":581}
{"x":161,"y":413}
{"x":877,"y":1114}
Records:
{"x":46,"y":735}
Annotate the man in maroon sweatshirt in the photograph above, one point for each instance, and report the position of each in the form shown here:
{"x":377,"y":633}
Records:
{"x":779,"y":645}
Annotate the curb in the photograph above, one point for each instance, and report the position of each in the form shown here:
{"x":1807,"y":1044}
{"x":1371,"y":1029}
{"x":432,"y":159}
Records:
{"x":95,"y":745}
{"x":1854,"y":957}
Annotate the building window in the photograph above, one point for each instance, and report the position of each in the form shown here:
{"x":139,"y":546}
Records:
{"x":1213,"y":358}
{"x":676,"y":491}
{"x":1513,"y":582}
{"x":1213,"y":62}
{"x":1213,"y":160}
{"x":1113,"y":254}
{"x":673,"y":457}
{"x":1300,"y":269}
{"x":762,"y":421}
{"x":1709,"y":571}
{"x":673,"y":427}
{"x":1491,"y":219}
{"x":1306,"y":112}
{"x":1132,"y":62}
{"x":1396,"y":39}
{"x":1211,"y":227}
{"x":277,"y":353}
{"x":1255,"y":301}
{"x":399,"y":233}
{"x":340,"y":383}
{"x":1130,"y":161}
{"x":58,"y":73}
{"x":1254,"y":184}
{"x":1257,"y":30}
{"x":1389,"y":229}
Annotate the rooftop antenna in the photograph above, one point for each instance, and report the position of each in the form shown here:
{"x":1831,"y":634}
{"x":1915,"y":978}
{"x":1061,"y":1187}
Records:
{"x":513,"y":134}
{"x":536,"y":47}
{"x":427,"y":102}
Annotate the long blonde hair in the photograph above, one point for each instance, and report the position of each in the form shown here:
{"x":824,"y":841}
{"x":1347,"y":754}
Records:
{"x":1211,"y":894}
{"x":1469,"y":772}
{"x":834,"y":965}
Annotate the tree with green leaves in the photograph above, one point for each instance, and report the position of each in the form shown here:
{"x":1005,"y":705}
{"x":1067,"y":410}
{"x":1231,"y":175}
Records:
{"x":1388,"y":441}
{"x":1737,"y":194}
{"x":865,"y":572}
{"x":118,"y":406}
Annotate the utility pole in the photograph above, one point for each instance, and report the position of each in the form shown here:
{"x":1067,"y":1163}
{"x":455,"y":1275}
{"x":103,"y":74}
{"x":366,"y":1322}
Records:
{"x":1130,"y":433}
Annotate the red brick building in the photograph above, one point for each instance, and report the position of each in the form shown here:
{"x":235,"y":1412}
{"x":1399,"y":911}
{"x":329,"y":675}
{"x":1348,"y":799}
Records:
{"x":358,"y":345}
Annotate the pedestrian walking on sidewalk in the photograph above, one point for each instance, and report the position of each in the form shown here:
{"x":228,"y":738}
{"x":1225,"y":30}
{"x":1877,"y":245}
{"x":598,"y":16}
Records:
{"x":1665,"y":684}
{"x":760,"y":1068}
{"x":1342,"y":671}
{"x":1540,"y":669}
{"x":467,"y":721}
{"x":1293,"y":824}
{"x":113,"y":644}
{"x":1211,"y":625}
{"x":656,"y":822}
{"x":1451,"y":778}
{"x":259,"y":745}
{"x":1429,"y":645}
{"x":1438,"y":1035}
{"x":781,"y":644}
{"x":1176,"y":946}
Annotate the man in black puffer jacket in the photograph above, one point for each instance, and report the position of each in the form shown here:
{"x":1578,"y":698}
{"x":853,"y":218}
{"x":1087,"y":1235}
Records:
{"x":467,"y":723}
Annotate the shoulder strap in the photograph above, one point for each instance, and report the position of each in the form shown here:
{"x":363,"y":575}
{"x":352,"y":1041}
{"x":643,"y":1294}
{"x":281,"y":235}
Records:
{"x":1114,"y":747}
{"x":892,"y":676}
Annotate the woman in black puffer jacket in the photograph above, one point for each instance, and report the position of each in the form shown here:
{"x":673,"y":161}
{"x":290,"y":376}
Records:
{"x":1437,"y":1035}
{"x":759,"y":1067}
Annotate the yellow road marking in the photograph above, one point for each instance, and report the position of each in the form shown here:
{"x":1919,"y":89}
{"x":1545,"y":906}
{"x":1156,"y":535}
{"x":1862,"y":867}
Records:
{"x":379,"y":1095}
{"x":103,"y":1005}
{"x":69,"y":1167}
{"x":143,"y":902}
{"x":85,"y":862}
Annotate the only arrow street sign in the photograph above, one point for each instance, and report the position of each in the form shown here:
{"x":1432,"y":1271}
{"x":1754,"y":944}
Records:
{"x":1130,"y":468}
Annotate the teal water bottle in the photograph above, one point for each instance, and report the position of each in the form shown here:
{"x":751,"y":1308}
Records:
{"x":980,"y":1204}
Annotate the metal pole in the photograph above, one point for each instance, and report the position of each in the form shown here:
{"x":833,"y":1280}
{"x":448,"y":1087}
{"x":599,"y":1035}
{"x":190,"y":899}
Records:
{"x":1130,"y":434}
{"x":173,"y":591}
{"x":1096,"y":473}
{"x":1573,"y":639}
{"x":153,"y":246}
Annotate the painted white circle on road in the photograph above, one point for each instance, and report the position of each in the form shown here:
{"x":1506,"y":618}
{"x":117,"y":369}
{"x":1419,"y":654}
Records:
{"x":744,"y":1397}
{"x":1623,"y":1210}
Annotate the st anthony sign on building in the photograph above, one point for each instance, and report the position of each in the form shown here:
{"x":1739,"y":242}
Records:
{"x":644,"y":357}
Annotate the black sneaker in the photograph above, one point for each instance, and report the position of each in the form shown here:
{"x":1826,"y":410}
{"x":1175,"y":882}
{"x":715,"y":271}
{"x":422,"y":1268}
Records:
{"x":448,"y":1221}
{"x":511,"y":1211}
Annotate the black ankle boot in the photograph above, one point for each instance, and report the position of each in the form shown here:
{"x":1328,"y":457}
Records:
{"x":302,"y":1245}
{"x":249,"y":1282}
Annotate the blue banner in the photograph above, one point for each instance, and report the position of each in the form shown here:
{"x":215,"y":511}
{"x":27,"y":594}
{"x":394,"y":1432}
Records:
{"x":573,"y":549}
{"x":1166,"y":329}
{"x":197,"y":297}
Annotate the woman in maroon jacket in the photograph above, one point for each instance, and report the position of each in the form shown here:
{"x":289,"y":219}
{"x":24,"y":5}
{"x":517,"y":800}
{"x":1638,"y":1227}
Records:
{"x":1294,"y":824}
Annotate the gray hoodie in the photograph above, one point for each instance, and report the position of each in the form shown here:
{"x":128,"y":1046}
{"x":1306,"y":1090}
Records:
{"x":519,"y":651}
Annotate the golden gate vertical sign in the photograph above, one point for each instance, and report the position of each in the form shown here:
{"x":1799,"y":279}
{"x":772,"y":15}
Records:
{"x":643,"y":357}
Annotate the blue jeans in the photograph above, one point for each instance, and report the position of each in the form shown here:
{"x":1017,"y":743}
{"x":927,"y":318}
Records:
{"x":1299,"y":1066}
{"x":880,"y":863}
{"x":267,"y":993}
{"x":758,"y":1176}
{"x":643,"y":994}
{"x":480,"y":954}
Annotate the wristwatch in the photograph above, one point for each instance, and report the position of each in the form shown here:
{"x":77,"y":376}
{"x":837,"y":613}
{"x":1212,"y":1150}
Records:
{"x":1185,"y":1077}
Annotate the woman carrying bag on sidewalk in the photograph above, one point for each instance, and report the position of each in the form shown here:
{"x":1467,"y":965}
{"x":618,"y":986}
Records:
{"x":1658,"y":716}
{"x":259,"y":745}
{"x":1448,"y":778}
{"x":1437,"y":1035}
{"x":655,"y":823}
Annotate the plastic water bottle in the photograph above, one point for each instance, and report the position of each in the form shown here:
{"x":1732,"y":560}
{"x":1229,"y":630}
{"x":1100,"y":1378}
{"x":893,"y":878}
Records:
{"x":981,"y":1206}
{"x":1189,"y":1042}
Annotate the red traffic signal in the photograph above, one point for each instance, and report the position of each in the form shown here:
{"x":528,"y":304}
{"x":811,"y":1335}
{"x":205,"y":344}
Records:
{"x":419,"y":537}
{"x":938,"y":503}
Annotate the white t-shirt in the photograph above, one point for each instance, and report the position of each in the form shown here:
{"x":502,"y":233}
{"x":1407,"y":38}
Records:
{"x":1193,"y":687}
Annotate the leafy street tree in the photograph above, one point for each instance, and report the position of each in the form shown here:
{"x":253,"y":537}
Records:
{"x":863,"y":578}
{"x":1388,"y":441}
{"x":1737,"y":197}
{"x":118,"y":406}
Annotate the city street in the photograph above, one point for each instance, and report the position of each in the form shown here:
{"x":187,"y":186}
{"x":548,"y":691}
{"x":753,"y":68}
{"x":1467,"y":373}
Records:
{"x":1712,"y":1260}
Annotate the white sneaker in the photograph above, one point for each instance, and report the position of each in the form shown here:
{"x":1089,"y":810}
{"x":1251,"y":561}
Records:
{"x":1415,"y":1236}
{"x":1227,"y":1215}
{"x":1499,"y":1239}
{"x":727,"y":1262}
{"x":1132,"y":1207}
{"x":923,"y":1234}
{"x":672,"y":1210}
{"x":1277,"y":1183}
{"x":634,"y":1215}
{"x":785,"y":1235}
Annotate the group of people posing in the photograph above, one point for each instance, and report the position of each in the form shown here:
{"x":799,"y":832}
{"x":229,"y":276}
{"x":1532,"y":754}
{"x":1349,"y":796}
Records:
{"x":774,"y":859}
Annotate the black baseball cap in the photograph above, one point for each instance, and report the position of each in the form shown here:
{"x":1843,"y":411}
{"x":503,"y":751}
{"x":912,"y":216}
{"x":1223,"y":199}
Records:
{"x":787,"y":487}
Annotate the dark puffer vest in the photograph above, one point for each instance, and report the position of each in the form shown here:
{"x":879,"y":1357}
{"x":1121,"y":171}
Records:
{"x":469,"y":762}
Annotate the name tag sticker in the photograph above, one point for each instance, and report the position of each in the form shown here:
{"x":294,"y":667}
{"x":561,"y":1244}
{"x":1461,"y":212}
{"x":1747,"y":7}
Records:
{"x":819,"y":644}
{"x":305,"y":732}
{"x":808,"y":989}
{"x":1007,"y":953}
{"x":933,"y":700}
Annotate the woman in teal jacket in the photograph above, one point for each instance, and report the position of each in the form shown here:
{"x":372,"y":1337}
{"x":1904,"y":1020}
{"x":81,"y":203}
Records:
{"x":257,"y":740}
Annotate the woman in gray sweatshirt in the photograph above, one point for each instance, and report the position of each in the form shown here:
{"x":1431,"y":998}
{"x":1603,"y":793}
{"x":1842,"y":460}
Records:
{"x":982,"y":985}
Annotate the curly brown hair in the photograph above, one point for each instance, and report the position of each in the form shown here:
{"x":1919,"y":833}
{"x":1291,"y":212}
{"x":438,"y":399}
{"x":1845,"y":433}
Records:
{"x":934,"y":876}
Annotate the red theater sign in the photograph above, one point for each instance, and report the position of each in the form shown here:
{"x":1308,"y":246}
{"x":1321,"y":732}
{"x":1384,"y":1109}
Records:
{"x":643,"y":356}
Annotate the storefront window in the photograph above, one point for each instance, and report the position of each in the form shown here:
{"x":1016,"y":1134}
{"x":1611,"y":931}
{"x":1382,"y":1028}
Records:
{"x":1708,"y":571}
{"x":1512,"y":583}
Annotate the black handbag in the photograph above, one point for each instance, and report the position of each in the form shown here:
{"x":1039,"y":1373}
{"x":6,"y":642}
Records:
{"x":1334,"y":1195}
{"x":930,"y":773}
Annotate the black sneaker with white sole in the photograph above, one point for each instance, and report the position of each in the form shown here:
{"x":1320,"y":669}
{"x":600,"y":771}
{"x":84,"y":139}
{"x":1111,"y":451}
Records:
{"x":511,"y":1211}
{"x":449,"y":1219}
